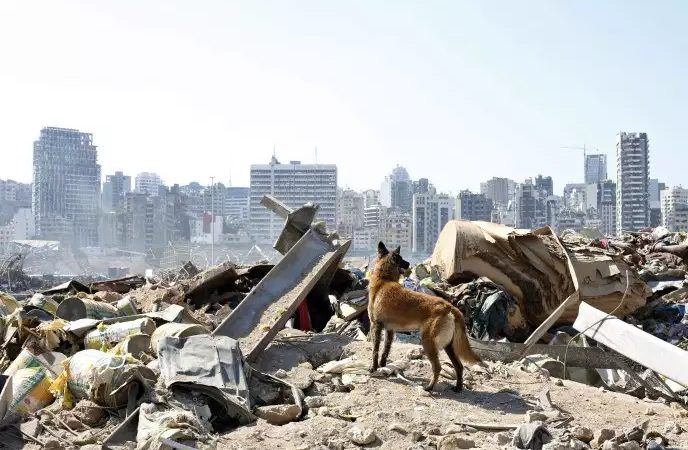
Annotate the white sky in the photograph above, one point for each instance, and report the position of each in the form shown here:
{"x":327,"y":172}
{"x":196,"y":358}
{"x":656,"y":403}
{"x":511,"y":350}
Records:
{"x":455,"y":91}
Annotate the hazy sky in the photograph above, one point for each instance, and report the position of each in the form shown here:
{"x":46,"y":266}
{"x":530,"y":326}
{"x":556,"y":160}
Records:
{"x":454,"y":91}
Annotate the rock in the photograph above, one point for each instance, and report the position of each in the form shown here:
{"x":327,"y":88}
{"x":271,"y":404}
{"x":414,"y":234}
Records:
{"x":673,"y":427}
{"x":278,"y":414}
{"x":314,"y":402}
{"x":535,"y":416}
{"x":301,"y":376}
{"x":417,"y":436}
{"x":654,"y":445}
{"x":454,"y":442}
{"x":602,"y":436}
{"x":415,"y":353}
{"x":558,"y":382}
{"x":503,"y":438}
{"x":650,"y":412}
{"x":91,"y":447}
{"x":453,"y":429}
{"x":88,"y":413}
{"x":656,"y":436}
{"x":584,"y":434}
{"x":576,"y":444}
{"x":555,"y":446}
{"x":435,"y":431}
{"x":281,"y":373}
{"x":32,"y":427}
{"x":609,"y":445}
{"x":631,"y":445}
{"x":361,"y":436}
{"x":399,"y":428}
{"x":53,"y":444}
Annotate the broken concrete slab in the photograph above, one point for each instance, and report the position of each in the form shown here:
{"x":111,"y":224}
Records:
{"x":298,"y":222}
{"x":266,"y":309}
{"x":633,"y":343}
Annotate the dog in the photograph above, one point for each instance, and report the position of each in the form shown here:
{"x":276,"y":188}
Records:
{"x":394,"y":308}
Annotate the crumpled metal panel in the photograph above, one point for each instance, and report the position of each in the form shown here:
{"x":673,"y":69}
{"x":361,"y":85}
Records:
{"x":209,"y":364}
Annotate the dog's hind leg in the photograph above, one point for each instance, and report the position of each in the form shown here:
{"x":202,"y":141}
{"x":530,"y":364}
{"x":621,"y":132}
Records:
{"x":389,"y":338}
{"x":376,"y":333}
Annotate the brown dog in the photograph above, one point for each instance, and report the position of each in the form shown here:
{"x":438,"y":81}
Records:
{"x":395,"y":308}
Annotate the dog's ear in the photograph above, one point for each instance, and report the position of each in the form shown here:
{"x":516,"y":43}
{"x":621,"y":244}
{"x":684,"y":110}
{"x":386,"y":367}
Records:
{"x":381,"y":249}
{"x":398,"y":250}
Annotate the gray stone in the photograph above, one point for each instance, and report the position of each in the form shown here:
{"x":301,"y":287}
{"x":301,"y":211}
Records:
{"x":417,"y":436}
{"x":535,"y":416}
{"x":315,"y":401}
{"x":454,"y":442}
{"x":609,"y":445}
{"x":361,"y":436}
{"x":278,"y":414}
{"x":555,"y":446}
{"x":584,"y":434}
{"x":602,"y":436}
{"x":631,"y":445}
{"x":399,"y":428}
{"x":503,"y":438}
{"x":576,"y":444}
{"x":673,"y":427}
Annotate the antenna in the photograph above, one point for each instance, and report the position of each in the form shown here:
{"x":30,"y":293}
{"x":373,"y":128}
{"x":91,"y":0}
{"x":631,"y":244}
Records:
{"x":230,"y":177}
{"x":316,"y":154}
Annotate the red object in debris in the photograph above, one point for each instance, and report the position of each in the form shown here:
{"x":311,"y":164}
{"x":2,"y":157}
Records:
{"x":304,"y":317}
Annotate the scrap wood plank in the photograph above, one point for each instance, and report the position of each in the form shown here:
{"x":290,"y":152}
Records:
{"x":633,"y":343}
{"x":585,"y":357}
{"x":488,"y":426}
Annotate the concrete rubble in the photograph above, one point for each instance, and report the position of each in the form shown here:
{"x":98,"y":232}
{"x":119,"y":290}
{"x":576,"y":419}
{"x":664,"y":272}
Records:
{"x":277,"y":356}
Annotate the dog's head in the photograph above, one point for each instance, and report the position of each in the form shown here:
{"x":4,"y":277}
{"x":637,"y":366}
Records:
{"x":390,"y":264}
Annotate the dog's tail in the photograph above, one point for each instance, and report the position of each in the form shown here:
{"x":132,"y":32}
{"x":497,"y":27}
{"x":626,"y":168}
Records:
{"x":462,"y":349}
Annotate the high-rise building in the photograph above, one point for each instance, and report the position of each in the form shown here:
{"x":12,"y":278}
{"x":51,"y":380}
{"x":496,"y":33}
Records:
{"x":396,"y":231}
{"x":525,"y":205}
{"x":544,"y":186}
{"x":674,"y":203}
{"x":595,"y":168}
{"x":237,"y":203}
{"x":575,"y":197}
{"x":350,"y":215}
{"x":606,"y":206}
{"x":371,"y":197}
{"x":143,"y":222}
{"x":114,"y":189}
{"x":148,"y":183}
{"x":431,"y":212}
{"x":470,"y":206}
{"x":294,"y":184}
{"x":13,"y":197}
{"x":214,"y":200}
{"x":499,"y":190}
{"x":396,"y":191}
{"x":66,"y":186}
{"x":632,"y":181}
{"x":655,"y":187}
{"x":422,"y":186}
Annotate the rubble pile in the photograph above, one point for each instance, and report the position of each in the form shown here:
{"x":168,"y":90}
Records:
{"x":277,"y":356}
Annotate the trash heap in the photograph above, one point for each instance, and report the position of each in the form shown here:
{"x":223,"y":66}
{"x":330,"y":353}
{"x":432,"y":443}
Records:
{"x":184,"y":358}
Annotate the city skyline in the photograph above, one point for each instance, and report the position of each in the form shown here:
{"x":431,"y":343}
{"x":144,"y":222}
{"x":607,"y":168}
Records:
{"x":466,"y":84}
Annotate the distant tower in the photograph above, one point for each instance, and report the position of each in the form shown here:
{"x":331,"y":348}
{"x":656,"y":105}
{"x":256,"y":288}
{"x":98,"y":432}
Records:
{"x":66,"y":186}
{"x":632,"y":181}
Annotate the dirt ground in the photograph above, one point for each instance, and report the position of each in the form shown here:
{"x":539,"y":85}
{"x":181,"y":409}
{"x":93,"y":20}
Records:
{"x":403,"y":416}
